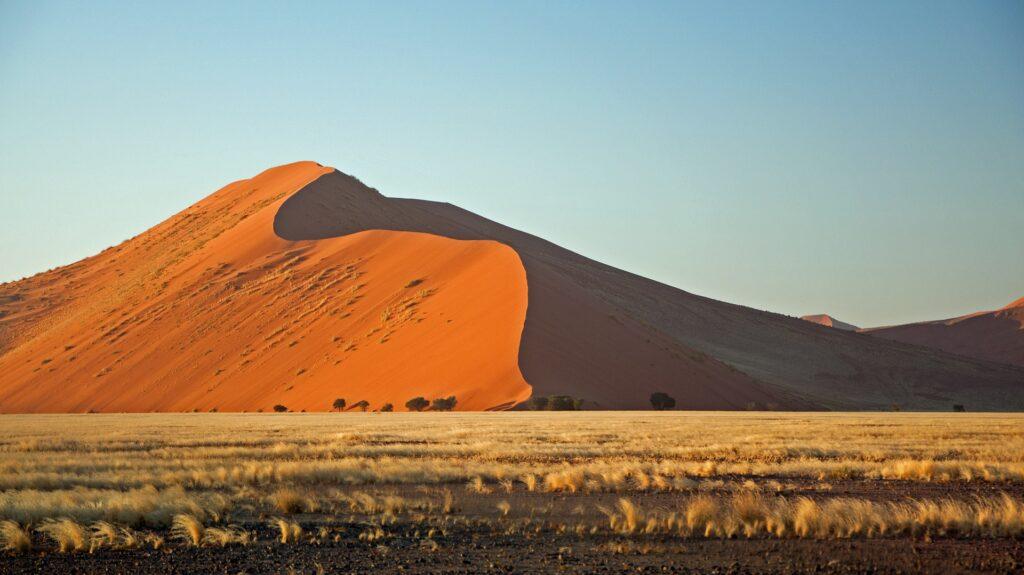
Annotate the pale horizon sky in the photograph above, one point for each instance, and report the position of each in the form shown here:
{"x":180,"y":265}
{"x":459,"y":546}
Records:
{"x":862,"y":159}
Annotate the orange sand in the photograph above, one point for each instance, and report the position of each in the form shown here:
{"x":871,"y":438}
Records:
{"x":303,"y":285}
{"x":212,"y":310}
{"x":829,"y":321}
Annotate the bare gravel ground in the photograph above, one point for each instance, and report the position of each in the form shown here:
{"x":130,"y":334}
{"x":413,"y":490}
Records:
{"x":469,"y":551}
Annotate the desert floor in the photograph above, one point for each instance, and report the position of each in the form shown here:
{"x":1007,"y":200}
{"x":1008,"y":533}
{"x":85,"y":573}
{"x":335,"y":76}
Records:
{"x":702,"y":492}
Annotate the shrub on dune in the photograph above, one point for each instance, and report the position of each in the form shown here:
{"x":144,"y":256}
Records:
{"x":417,"y":404}
{"x":443,"y":403}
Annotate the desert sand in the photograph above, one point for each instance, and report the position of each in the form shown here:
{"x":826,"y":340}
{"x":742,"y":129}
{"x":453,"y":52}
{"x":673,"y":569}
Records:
{"x":302,"y":285}
{"x":213,"y":310}
{"x":989,"y":335}
{"x":829,"y":321}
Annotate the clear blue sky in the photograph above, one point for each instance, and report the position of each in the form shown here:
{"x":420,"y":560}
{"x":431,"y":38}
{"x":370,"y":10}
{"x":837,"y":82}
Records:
{"x":864,"y":159}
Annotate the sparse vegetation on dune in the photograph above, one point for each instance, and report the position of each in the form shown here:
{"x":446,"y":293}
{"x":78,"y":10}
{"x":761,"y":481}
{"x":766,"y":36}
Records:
{"x":90,"y":483}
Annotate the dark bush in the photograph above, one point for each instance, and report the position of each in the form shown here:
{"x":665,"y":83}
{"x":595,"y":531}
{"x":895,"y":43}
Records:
{"x":417,"y":404}
{"x":563,"y":403}
{"x":443,"y":403}
{"x":387,"y":408}
{"x":338,"y":404}
{"x":361,"y":405}
{"x":661,"y":401}
{"x":280,"y":408}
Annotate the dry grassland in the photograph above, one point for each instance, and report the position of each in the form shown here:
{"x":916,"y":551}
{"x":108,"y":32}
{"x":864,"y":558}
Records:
{"x":85,"y":483}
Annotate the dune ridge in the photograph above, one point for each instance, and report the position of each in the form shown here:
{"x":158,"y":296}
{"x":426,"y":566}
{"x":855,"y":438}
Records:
{"x":996,"y":336}
{"x":302,"y":285}
{"x":829,"y":321}
{"x":212,"y":310}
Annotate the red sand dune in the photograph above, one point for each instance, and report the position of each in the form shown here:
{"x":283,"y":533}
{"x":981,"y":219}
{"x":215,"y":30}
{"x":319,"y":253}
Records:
{"x":991,"y":335}
{"x":213,"y":310}
{"x":829,"y":321}
{"x":302,"y":285}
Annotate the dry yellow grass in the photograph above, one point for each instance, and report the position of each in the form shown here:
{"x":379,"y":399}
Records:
{"x":287,"y":500}
{"x":14,"y":538}
{"x":188,"y":528}
{"x":616,"y":452}
{"x":224,"y":536}
{"x":66,"y":533}
{"x":288,"y":531}
{"x":751,"y":514}
{"x":727,"y":474}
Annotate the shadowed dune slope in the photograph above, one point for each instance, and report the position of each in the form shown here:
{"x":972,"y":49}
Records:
{"x":993,"y":335}
{"x":211,"y":309}
{"x":302,"y":285}
{"x":613,"y":337}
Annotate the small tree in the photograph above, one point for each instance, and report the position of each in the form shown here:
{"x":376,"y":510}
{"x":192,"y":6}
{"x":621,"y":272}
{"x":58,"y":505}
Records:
{"x":443,"y":403}
{"x":661,"y":401}
{"x":539,"y":403}
{"x":561,"y":403}
{"x":338,"y":404}
{"x":959,"y":408}
{"x":387,"y":408}
{"x":280,"y":408}
{"x":417,"y":404}
{"x":361,"y":405}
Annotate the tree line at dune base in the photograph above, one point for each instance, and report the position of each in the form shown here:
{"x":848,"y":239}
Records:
{"x":659,"y":402}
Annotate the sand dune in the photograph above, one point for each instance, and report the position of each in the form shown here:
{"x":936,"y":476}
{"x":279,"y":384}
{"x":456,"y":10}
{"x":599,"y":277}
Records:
{"x":301,"y":285}
{"x":212,"y":310}
{"x":829,"y":321}
{"x":991,"y":335}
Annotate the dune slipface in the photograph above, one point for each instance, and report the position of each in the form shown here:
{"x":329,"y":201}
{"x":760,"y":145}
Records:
{"x":303,"y":285}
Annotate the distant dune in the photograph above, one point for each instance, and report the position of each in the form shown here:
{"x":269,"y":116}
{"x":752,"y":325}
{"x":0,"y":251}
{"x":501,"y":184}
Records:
{"x":302,"y":285}
{"x":990,"y":335}
{"x":827,"y":320}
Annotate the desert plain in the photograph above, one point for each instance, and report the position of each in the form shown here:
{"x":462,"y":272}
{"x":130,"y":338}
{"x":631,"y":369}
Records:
{"x":577,"y":492}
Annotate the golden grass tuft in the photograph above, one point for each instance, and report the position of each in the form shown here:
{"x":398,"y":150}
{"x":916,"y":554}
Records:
{"x":188,"y":528}
{"x":503,"y":507}
{"x":67,"y":534}
{"x":751,"y":514}
{"x":289,"y":501}
{"x":371,"y":534}
{"x":288,"y":531}
{"x":104,"y":534}
{"x":477,"y":485}
{"x":530,"y":481}
{"x":224,"y":536}
{"x":14,"y":538}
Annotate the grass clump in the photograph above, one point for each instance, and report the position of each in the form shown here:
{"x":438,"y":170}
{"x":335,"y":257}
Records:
{"x":66,"y":533}
{"x":14,"y":537}
{"x":288,"y":531}
{"x":189,"y":529}
{"x":289,"y":501}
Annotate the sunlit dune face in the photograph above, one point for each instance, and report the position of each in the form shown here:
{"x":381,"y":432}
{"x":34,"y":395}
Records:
{"x":213,"y":310}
